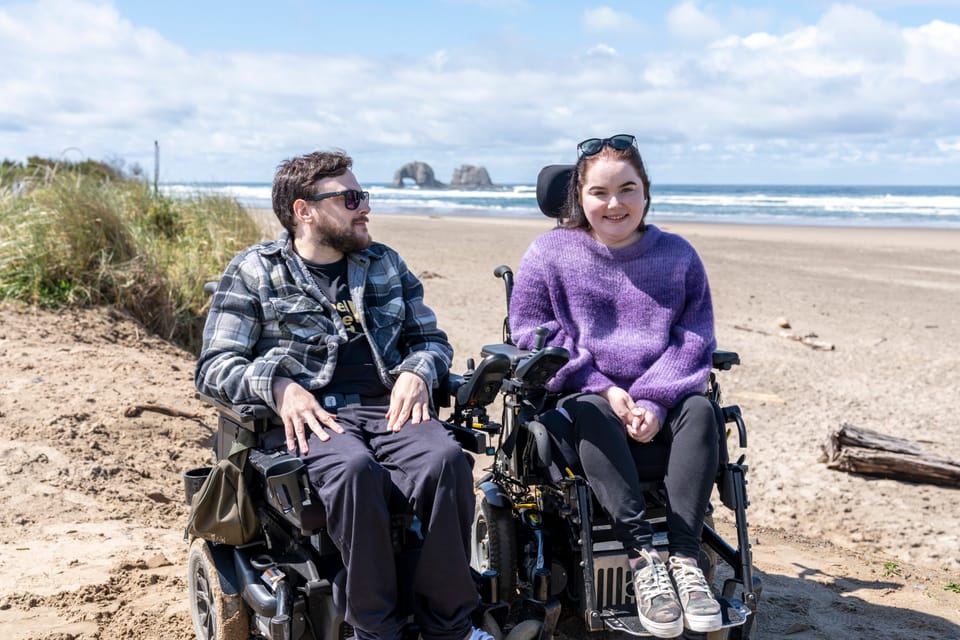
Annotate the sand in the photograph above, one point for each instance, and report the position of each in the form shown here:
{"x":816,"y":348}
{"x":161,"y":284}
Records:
{"x":93,"y":522}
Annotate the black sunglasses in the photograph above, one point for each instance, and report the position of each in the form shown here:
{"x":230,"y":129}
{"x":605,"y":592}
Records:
{"x":351,"y":197}
{"x":592,"y":146}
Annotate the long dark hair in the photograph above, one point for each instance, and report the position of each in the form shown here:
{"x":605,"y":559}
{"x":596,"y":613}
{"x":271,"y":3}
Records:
{"x":573,"y":215}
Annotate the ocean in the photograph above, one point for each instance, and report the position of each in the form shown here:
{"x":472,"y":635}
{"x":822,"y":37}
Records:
{"x":849,"y":206}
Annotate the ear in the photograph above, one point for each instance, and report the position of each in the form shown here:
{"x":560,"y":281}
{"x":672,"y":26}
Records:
{"x":301,"y":211}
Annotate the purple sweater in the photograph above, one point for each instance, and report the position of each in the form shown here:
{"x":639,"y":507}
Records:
{"x":639,"y":317}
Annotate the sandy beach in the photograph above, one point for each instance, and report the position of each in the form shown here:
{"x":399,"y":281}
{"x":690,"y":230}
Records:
{"x":92,"y":531}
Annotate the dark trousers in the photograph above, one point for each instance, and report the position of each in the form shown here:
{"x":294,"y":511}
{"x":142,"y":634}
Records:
{"x":354,"y":476}
{"x":684,"y":454}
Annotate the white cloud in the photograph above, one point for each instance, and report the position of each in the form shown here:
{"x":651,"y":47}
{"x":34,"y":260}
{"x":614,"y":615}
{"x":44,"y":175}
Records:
{"x":606,"y":20}
{"x":850,"y":89}
{"x":602,"y":50}
{"x":687,"y":22}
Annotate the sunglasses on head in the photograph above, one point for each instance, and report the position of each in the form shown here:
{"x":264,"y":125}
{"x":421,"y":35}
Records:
{"x":592,"y":146}
{"x":351,"y":197}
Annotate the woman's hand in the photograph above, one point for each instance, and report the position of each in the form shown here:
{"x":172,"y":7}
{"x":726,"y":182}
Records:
{"x":621,"y":403}
{"x":641,"y":424}
{"x":644,"y":427}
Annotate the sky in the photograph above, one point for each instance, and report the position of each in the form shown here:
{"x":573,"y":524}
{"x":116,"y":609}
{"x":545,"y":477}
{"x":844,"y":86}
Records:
{"x":716,"y":92}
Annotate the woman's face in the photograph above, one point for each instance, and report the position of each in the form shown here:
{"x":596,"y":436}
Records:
{"x":612,"y":199}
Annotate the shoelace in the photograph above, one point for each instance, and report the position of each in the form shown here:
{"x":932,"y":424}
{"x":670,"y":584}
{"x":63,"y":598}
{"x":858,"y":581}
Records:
{"x":658,"y":582}
{"x":688,"y":578}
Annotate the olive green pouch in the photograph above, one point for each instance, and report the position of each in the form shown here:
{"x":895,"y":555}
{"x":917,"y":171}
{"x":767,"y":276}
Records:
{"x":222,"y":510}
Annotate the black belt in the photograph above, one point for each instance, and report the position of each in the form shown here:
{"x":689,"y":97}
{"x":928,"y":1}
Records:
{"x":331,"y":401}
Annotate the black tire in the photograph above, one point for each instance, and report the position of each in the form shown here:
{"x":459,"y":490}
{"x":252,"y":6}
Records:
{"x":216,"y":615}
{"x":493,"y":545}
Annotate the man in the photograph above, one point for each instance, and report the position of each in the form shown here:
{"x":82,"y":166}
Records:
{"x":330,"y":330}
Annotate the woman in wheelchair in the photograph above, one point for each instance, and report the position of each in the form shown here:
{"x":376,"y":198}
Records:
{"x":632,"y":305}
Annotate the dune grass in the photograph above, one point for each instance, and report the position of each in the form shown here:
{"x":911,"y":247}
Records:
{"x":74,"y":239}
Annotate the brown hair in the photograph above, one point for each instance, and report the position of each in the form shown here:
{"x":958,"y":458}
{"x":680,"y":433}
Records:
{"x":572,"y":214}
{"x":295,"y":178}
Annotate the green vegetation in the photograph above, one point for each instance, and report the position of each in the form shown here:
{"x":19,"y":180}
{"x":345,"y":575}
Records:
{"x":953,"y":586}
{"x":891,"y":569}
{"x":84,"y":234}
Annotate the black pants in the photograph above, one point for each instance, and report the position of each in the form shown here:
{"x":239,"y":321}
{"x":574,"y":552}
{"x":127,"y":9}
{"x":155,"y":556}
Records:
{"x":354,"y":476}
{"x":684,"y":454}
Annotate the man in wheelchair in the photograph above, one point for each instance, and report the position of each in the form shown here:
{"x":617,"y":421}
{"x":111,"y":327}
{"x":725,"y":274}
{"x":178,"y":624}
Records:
{"x":621,"y":314}
{"x":330,"y":332}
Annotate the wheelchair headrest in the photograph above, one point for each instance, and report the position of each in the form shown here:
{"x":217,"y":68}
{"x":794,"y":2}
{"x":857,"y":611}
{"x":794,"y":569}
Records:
{"x":552,"y":186}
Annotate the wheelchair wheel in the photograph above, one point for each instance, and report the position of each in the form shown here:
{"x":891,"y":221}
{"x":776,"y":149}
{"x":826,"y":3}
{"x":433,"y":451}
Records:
{"x":494,"y":545}
{"x":216,"y":615}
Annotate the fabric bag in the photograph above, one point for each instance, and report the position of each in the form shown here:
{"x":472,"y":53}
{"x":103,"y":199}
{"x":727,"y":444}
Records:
{"x":222,"y":511}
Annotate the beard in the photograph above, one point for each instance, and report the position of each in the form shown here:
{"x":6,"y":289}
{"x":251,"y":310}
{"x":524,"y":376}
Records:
{"x":343,"y":239}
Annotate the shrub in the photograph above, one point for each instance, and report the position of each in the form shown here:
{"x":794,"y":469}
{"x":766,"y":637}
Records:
{"x":78,"y":238}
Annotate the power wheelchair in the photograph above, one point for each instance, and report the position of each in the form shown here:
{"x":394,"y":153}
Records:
{"x":548,"y":540}
{"x":287,"y":583}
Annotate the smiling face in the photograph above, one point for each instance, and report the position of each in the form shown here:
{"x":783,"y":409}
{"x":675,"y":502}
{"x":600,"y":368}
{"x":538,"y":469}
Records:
{"x":612,"y":197}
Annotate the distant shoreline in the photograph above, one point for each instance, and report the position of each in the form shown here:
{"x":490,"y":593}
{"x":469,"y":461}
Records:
{"x":898,"y":237}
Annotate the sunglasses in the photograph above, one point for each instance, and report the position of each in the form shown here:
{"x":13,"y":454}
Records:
{"x":351,"y":197}
{"x":592,"y":146}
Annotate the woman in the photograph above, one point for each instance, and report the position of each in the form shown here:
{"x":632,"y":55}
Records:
{"x":632,"y":305}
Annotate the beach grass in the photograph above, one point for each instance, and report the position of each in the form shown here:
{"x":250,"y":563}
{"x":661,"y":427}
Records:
{"x":70,"y":238}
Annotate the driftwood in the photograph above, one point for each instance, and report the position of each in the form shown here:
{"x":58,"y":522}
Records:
{"x":134,"y":410}
{"x":810,"y":339}
{"x":858,"y":450}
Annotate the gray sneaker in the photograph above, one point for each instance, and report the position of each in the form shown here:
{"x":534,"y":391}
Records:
{"x":701,"y":611}
{"x":657,"y":603}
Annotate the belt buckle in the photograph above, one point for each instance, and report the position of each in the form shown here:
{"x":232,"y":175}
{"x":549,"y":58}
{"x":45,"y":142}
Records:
{"x":331,"y":400}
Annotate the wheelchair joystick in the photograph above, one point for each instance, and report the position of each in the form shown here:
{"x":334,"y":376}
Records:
{"x":541,"y":339}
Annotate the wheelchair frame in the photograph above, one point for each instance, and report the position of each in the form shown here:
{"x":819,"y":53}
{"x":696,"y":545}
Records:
{"x":549,"y":541}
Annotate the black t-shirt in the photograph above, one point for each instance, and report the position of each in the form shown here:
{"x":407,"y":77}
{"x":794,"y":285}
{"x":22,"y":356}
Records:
{"x":356,"y":371}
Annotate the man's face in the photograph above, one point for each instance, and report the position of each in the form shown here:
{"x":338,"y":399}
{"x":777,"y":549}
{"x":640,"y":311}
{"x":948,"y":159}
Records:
{"x":338,"y":227}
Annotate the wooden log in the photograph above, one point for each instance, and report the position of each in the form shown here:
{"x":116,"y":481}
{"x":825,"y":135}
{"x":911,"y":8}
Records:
{"x":859,"y":450}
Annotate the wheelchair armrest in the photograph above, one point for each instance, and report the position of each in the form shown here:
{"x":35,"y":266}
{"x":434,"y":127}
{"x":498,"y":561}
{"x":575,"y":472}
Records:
{"x":725,"y":360}
{"x":514,"y":353}
{"x":531,"y":368}
{"x":543,"y":364}
{"x":481,"y":385}
{"x":250,"y":416}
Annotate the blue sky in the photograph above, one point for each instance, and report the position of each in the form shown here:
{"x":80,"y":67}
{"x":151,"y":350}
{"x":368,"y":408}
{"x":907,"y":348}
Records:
{"x":716,"y":92}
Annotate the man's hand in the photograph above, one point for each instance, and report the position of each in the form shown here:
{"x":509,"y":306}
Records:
{"x":299,"y":409}
{"x":408,"y":400}
{"x":641,"y":424}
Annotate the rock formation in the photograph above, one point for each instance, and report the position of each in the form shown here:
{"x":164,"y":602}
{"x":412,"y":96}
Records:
{"x":471,"y":177}
{"x":420,"y":172}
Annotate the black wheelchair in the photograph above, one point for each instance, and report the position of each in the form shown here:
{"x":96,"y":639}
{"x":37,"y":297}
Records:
{"x":547,"y":540}
{"x":287,"y":582}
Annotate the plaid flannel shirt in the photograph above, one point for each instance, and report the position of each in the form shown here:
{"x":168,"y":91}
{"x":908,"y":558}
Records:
{"x":268,"y":318}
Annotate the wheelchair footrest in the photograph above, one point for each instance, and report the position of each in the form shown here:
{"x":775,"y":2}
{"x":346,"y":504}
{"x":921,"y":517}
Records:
{"x":624,"y":619}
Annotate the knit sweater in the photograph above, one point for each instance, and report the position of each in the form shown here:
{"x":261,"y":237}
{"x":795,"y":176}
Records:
{"x":638,"y":317}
